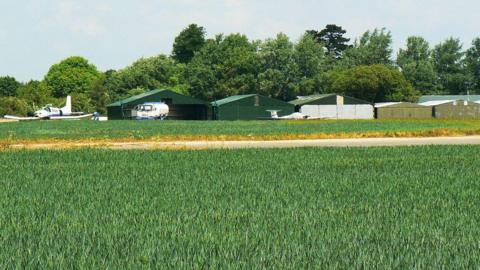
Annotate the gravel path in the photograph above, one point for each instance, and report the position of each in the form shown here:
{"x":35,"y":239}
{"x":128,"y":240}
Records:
{"x":187,"y":145}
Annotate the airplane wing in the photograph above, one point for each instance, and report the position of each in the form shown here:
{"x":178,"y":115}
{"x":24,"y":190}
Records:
{"x":19,"y":118}
{"x":73,"y":117}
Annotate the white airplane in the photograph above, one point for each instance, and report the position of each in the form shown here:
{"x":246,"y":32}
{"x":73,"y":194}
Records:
{"x":52,"y":113}
{"x":151,"y":111}
{"x":293,"y":116}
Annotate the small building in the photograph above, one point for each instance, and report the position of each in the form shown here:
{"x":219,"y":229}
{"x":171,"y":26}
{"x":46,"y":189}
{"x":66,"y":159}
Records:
{"x":433,"y":98}
{"x":458,"y":109}
{"x":402,"y":110}
{"x":249,"y":107}
{"x":333,"y":106}
{"x":181,"y":107}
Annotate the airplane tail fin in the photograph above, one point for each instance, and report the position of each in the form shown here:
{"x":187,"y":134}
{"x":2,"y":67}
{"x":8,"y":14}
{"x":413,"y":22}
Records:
{"x":273,"y":113}
{"x":68,"y":106}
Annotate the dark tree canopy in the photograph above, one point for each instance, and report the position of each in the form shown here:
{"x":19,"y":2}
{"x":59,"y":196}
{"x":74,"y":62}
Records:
{"x":225,"y":66}
{"x":188,"y":42}
{"x":417,"y":65}
{"x":373,"y":48}
{"x":375,"y":83}
{"x":332,"y":37}
{"x":448,"y":60}
{"x":72,"y":75}
{"x":8,"y":86}
{"x":473,"y":63}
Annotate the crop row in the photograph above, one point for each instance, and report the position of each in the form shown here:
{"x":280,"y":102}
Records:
{"x":413,"y":207}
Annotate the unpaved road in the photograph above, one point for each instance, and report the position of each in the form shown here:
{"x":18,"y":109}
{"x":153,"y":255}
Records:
{"x":195,"y":145}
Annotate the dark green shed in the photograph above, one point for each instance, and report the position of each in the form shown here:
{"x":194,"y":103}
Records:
{"x":402,"y":110}
{"x":181,"y":107}
{"x":459,"y":109}
{"x":326,"y":99}
{"x":249,"y":107}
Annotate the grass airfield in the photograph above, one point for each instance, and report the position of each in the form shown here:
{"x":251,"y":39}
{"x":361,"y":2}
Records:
{"x":408,"y":207}
{"x":45,"y":131}
{"x":400,"y":207}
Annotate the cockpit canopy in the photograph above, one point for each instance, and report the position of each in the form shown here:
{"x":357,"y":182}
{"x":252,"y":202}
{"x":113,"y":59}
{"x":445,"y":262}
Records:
{"x":144,"y":108}
{"x":47,"y":108}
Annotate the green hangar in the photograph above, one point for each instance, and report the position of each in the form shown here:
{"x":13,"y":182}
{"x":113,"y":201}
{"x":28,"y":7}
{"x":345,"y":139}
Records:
{"x":458,"y":109}
{"x":249,"y":107}
{"x":333,"y":106}
{"x":402,"y":110}
{"x":181,"y":107}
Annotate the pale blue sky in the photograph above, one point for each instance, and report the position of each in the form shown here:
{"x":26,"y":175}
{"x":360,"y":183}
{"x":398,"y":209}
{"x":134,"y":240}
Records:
{"x":34,"y":34}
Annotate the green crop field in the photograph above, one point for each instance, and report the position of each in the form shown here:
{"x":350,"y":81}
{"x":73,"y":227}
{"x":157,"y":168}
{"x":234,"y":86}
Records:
{"x":74,"y":130}
{"x":405,"y":208}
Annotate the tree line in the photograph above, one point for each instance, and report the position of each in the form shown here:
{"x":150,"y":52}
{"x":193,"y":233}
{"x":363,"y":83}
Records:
{"x":321,"y":61}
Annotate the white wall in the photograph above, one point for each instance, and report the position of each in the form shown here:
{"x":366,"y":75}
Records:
{"x":338,"y":111}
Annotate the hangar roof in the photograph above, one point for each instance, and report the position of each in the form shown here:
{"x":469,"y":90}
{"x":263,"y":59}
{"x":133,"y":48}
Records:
{"x":473,"y":98}
{"x":326,"y":99}
{"x":160,"y":93}
{"x":231,"y":99}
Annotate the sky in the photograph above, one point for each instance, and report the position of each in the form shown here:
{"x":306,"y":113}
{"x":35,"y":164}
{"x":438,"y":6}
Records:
{"x":34,"y":34}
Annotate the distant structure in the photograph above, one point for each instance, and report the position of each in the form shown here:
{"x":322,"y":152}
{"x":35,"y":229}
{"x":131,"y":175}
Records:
{"x":457,"y":109}
{"x":333,"y":106}
{"x":402,"y":110}
{"x":181,"y":107}
{"x":249,"y":107}
{"x":440,"y":98}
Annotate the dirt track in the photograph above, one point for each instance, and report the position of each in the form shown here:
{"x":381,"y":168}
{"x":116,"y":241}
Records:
{"x":7,"y":120}
{"x":187,"y":145}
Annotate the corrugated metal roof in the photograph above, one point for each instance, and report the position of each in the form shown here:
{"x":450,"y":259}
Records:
{"x":474,"y":98}
{"x":153,"y":92}
{"x":435,"y":102}
{"x":231,"y":99}
{"x":308,"y":99}
{"x":385,"y":104}
{"x":398,"y":105}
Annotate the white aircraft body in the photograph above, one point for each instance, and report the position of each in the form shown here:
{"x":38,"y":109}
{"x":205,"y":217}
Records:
{"x":293,"y":116}
{"x":52,"y":113}
{"x":151,"y":111}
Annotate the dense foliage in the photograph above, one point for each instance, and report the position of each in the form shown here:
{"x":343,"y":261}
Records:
{"x":188,"y":42}
{"x":321,"y":61}
{"x":244,"y":209}
{"x":375,"y":83}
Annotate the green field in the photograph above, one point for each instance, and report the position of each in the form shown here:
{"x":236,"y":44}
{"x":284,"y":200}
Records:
{"x":416,"y":207}
{"x":74,"y":130}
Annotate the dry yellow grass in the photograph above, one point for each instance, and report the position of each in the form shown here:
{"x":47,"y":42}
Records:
{"x":2,"y":120}
{"x":103,"y":143}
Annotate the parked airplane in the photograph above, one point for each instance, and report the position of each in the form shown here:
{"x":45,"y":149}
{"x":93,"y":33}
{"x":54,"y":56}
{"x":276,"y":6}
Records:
{"x":151,"y":111}
{"x":52,"y":113}
{"x":293,"y":116}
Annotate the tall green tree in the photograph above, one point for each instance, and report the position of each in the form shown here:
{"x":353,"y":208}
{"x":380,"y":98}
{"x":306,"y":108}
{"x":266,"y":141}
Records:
{"x":99,"y":95}
{"x":72,"y":75}
{"x":333,"y":38}
{"x":448,"y":60}
{"x":312,"y":64}
{"x":473,"y":63}
{"x":375,"y":83}
{"x":188,"y":42}
{"x":146,"y":73}
{"x":374,"y":47}
{"x":279,"y":74}
{"x":225,"y":66}
{"x":12,"y":105}
{"x":8,"y":86}
{"x":417,"y":66}
{"x":36,"y":93}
